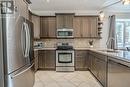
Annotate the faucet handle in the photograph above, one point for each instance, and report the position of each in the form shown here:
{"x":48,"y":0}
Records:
{"x":128,"y":48}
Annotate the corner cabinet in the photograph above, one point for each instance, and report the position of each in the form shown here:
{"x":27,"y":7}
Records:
{"x":86,"y":27}
{"x":47,"y":27}
{"x":46,"y":59}
{"x":22,"y":7}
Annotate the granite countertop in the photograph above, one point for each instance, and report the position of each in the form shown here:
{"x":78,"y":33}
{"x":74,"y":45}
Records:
{"x":53,"y":48}
{"x":47,"y":48}
{"x":120,"y":56}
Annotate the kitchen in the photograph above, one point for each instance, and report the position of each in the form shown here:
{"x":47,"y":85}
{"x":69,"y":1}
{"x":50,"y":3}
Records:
{"x":60,"y":43}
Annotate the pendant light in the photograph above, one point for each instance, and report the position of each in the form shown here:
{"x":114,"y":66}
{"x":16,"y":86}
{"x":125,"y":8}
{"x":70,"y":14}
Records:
{"x":126,"y":2}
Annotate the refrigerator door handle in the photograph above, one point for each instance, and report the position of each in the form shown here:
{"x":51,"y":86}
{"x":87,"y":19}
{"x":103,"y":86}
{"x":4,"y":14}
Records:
{"x":22,"y":72}
{"x":28,"y":33}
{"x":25,"y":51}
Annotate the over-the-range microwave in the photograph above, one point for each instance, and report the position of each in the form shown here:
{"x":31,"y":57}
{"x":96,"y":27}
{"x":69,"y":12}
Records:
{"x":65,"y":33}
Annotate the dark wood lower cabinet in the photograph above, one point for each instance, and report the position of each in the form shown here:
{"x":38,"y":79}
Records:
{"x":36,"y":60}
{"x":46,"y":60}
{"x":98,"y":67}
{"x":118,"y":74}
{"x":81,"y":60}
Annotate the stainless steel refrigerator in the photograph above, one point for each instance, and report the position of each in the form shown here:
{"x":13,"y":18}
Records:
{"x":17,"y":50}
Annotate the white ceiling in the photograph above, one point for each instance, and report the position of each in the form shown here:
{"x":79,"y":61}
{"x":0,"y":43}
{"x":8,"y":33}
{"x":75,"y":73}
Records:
{"x":42,"y":7}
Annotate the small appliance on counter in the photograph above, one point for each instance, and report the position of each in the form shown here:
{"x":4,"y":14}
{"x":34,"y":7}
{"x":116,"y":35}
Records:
{"x":65,"y":57}
{"x":38,"y":45}
{"x":91,"y":43}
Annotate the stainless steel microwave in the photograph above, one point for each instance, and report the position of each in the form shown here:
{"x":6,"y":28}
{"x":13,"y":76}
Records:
{"x":65,"y":33}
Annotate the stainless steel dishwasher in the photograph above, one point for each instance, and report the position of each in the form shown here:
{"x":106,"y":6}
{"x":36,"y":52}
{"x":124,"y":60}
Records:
{"x":118,"y":74}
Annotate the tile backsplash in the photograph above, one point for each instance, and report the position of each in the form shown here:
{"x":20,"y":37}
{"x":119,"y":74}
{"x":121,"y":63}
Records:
{"x":77,"y":43}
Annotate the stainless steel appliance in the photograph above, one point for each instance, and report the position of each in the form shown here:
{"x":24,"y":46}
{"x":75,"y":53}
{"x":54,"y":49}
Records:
{"x":65,"y":33}
{"x":17,"y":40}
{"x":64,"y":57}
{"x":1,"y":57}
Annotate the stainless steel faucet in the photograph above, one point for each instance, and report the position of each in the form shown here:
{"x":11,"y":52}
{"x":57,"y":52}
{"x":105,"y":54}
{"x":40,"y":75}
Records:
{"x":109,"y":42}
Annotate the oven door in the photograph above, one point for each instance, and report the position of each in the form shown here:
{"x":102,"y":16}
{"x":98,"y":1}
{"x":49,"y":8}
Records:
{"x":64,"y":58}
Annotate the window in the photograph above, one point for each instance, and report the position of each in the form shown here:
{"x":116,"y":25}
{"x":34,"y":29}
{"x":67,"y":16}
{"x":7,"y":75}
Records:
{"x":123,"y":33}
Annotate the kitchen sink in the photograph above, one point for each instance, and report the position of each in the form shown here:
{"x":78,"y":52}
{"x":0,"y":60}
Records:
{"x":111,"y":51}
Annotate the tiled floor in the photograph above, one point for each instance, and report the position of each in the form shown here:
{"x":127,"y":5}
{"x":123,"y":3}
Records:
{"x":65,"y":79}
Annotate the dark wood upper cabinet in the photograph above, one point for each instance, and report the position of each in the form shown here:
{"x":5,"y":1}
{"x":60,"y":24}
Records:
{"x":93,"y":26}
{"x":44,"y":27}
{"x":52,"y":27}
{"x":64,"y":21}
{"x":47,"y":27}
{"x":85,"y":27}
{"x":77,"y":26}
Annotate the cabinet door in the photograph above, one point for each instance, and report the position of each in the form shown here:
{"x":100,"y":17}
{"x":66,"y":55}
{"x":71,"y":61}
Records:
{"x":102,"y":72}
{"x":36,"y":22}
{"x":85,"y":27}
{"x":50,"y":60}
{"x":118,"y":74}
{"x":93,"y":26}
{"x":68,"y":21}
{"x":60,"y":21}
{"x":44,"y":27}
{"x":41,"y":59}
{"x":36,"y":60}
{"x":52,"y":26}
{"x":94,"y":66}
{"x":64,"y":21}
{"x":81,"y":60}
{"x":77,"y":25}
{"x":22,"y":8}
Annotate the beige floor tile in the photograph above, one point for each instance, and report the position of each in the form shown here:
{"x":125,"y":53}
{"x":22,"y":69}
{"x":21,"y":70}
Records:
{"x":84,"y":85}
{"x":53,"y":84}
{"x":65,"y":79}
{"x":66,"y":84}
{"x":39,"y":84}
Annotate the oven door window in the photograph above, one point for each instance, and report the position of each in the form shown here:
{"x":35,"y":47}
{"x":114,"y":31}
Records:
{"x":65,"y":57}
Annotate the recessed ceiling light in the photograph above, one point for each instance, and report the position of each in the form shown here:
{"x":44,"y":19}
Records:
{"x":48,"y":1}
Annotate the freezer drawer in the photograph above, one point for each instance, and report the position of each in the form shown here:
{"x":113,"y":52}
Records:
{"x":23,"y":79}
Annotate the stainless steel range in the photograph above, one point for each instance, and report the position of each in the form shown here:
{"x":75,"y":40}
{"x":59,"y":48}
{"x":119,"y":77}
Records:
{"x":64,"y":57}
